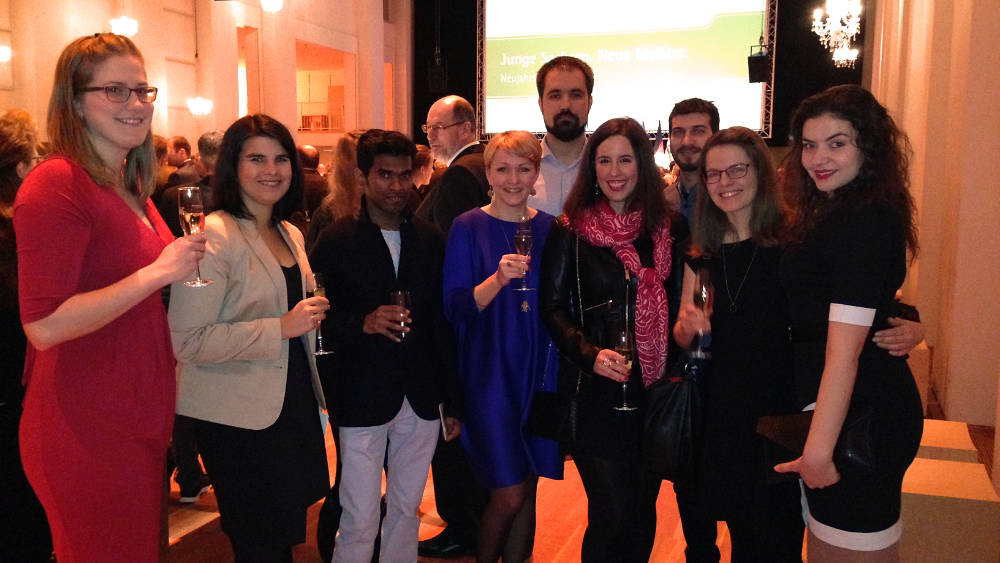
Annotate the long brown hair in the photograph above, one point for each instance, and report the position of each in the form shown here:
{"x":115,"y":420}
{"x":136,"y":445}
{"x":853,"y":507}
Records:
{"x":68,"y":132}
{"x":648,"y":193}
{"x":711,"y":224}
{"x":884,"y":175}
{"x":344,"y":199}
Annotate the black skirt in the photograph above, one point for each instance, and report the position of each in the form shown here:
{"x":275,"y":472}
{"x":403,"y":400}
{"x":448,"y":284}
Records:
{"x":266,"y":479}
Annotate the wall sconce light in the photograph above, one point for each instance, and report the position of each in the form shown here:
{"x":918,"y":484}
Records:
{"x":199,"y":107}
{"x":272,"y":6}
{"x":842,"y":23}
{"x":5,"y":53}
{"x":124,"y":26}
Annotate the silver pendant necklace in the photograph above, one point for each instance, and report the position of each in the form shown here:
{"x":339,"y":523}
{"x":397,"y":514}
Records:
{"x":725,"y":278}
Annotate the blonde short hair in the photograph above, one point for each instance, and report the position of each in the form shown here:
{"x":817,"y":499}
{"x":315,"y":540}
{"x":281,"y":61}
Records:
{"x":520,"y":143}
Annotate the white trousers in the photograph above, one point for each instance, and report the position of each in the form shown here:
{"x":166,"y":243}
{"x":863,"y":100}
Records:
{"x":410,"y":441}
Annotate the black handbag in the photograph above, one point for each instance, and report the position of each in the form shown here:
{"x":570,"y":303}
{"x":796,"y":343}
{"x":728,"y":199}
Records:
{"x":672,"y":425}
{"x":553,"y":415}
{"x":854,"y":454}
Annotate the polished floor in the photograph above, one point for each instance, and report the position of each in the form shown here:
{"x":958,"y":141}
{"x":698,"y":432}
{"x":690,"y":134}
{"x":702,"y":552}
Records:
{"x":195,"y":536}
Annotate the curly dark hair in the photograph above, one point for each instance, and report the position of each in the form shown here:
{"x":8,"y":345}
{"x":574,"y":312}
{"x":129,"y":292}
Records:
{"x":884,"y":174}
{"x":711,"y":224}
{"x":226,"y":184}
{"x":648,"y":193}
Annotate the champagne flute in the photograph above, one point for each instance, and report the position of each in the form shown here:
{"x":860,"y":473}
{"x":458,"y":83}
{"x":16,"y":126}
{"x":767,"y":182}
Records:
{"x":522,"y":242}
{"x":623,"y":345}
{"x":704,"y":299}
{"x":402,"y":298}
{"x":192,"y":218}
{"x":318,"y":290}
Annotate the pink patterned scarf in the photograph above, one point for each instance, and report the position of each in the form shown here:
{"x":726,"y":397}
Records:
{"x":601,"y":226}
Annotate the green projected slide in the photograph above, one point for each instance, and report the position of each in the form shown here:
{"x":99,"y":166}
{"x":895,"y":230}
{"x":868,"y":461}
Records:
{"x":639,"y":73}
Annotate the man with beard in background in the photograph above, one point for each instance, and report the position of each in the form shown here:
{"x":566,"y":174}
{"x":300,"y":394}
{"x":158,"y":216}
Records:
{"x":691,"y":123}
{"x":565,"y":88}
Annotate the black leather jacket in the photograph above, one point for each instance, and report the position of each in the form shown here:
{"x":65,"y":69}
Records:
{"x":602,"y":431}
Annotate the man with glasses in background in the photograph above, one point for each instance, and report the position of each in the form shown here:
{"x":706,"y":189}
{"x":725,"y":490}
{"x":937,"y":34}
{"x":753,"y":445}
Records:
{"x":451,"y":134}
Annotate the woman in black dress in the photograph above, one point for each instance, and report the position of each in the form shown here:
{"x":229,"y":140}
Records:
{"x":735,"y":241}
{"x":604,"y":272}
{"x":847,"y":177}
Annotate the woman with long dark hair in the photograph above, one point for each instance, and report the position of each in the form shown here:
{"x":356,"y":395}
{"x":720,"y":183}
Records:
{"x":93,"y":256}
{"x":604,"y":278}
{"x":847,"y":178}
{"x":245,"y":346}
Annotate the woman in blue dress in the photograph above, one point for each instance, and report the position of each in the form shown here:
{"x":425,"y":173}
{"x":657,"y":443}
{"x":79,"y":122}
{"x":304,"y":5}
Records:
{"x":505,"y":355}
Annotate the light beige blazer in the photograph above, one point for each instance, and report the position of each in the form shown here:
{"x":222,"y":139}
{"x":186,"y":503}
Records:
{"x":231,"y":358}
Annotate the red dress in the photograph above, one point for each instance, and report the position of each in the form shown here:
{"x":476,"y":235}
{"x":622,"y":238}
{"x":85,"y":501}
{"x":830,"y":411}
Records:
{"x":99,"y":408}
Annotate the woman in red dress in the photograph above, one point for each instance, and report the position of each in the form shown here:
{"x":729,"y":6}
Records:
{"x":93,"y":256}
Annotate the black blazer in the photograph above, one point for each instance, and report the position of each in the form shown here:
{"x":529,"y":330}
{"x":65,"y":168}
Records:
{"x":367,"y":377}
{"x":461,"y":187}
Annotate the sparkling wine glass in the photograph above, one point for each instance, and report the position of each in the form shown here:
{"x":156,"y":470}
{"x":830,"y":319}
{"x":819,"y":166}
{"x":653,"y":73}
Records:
{"x":192,"y":218}
{"x":623,"y":345}
{"x":402,"y":298}
{"x":704,"y":299}
{"x":522,"y":242}
{"x":318,"y":290}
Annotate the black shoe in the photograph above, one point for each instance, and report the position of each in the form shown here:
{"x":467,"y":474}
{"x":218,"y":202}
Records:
{"x":444,"y":545}
{"x":191,"y":494}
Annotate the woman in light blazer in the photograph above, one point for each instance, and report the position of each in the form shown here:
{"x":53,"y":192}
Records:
{"x":245,"y":347}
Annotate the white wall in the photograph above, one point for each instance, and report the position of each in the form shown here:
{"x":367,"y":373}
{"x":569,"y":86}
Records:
{"x":190,"y":48}
{"x":936,"y":67}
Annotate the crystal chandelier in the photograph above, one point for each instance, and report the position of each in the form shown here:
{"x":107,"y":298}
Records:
{"x":843,"y":20}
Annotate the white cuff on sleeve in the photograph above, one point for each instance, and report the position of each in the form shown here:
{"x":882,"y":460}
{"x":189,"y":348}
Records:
{"x":852,"y":315}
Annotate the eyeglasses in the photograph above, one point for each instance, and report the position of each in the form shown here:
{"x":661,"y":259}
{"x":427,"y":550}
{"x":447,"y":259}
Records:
{"x":735,"y":171}
{"x":438,"y":128}
{"x":121,"y":94}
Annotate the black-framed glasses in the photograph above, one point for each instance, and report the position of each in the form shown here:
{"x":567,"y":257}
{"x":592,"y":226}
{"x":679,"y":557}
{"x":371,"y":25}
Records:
{"x":735,"y":171}
{"x":438,"y":128}
{"x":120,"y":94}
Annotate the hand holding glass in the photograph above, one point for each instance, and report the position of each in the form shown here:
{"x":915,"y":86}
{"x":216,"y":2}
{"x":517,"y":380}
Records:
{"x":623,"y":345}
{"x":704,"y":299}
{"x":191,"y":212}
{"x":318,"y":290}
{"x":522,"y":242}
{"x":401,"y":298}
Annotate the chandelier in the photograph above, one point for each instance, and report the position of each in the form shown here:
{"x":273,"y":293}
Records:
{"x":842,"y":23}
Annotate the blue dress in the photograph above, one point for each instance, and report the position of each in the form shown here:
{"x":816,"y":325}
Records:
{"x":504,"y":354}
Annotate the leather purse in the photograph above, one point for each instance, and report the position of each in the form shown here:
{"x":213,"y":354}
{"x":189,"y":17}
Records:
{"x":854,"y":454}
{"x":673,"y":423}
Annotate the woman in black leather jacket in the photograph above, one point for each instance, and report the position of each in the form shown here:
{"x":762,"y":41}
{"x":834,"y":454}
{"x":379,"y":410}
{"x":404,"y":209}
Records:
{"x":610,"y":256}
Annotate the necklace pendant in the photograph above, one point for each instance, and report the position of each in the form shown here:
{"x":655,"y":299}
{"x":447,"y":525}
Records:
{"x":524,"y":306}
{"x":732,"y":307}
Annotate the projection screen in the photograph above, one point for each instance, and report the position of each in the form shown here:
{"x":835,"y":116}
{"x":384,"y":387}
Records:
{"x":646,"y":55}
